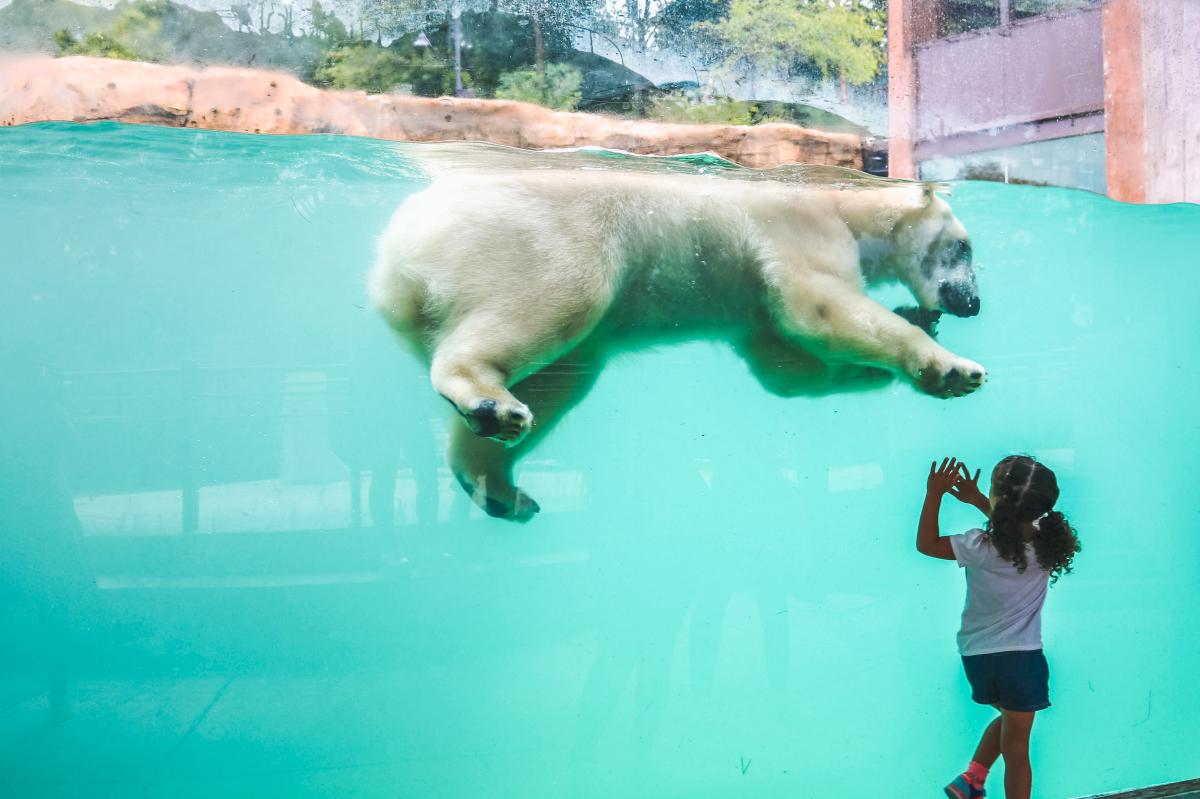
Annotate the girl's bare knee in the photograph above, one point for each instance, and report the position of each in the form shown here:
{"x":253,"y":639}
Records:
{"x":1015,"y":728}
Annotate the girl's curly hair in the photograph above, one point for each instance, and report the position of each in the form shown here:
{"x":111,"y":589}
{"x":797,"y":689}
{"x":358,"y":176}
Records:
{"x":1025,"y":492}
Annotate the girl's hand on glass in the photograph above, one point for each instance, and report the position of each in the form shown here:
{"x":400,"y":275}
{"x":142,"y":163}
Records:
{"x":967,"y":488}
{"x":942,"y":479}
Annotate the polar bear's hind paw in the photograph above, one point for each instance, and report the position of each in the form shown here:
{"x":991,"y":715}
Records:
{"x":521,"y":508}
{"x":507,"y":422}
{"x":524,"y":509}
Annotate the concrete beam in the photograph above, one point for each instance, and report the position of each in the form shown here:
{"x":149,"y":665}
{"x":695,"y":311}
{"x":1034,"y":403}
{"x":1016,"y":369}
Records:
{"x":968,"y":142}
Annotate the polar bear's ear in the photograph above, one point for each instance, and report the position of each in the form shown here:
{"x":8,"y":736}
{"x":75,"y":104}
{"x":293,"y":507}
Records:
{"x":936,"y":188}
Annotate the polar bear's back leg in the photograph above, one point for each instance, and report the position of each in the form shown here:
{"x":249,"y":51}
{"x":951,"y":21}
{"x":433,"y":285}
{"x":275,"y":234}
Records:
{"x":487,"y":349}
{"x":472,"y":366}
{"x":484,"y":467}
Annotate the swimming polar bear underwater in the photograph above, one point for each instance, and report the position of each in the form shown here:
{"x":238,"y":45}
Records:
{"x":510,"y":280}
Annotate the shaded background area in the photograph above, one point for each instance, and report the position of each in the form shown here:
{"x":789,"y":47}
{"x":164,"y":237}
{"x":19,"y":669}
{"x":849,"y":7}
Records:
{"x":235,"y":563}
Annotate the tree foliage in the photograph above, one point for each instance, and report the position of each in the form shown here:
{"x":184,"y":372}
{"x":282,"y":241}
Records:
{"x":842,"y":37}
{"x":721,"y":111}
{"x":506,"y":43}
{"x":326,"y":25}
{"x":554,"y":86}
{"x":94,"y":44}
{"x":390,"y":19}
{"x":135,"y":35}
{"x":677,"y":26}
{"x":164,"y":31}
{"x":501,"y":43}
{"x":376,"y":69}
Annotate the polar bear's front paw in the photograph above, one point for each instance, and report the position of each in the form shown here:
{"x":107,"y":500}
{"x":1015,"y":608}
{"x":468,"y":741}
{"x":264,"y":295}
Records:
{"x":503,"y":421}
{"x":950,"y":377}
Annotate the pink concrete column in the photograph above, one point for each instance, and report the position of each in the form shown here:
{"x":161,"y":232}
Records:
{"x":1152,"y":100}
{"x":910,"y":22}
{"x":1124,"y":101}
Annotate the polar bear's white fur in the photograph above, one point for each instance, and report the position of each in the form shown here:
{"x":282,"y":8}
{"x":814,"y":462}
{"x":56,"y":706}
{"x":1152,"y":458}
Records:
{"x":524,"y":279}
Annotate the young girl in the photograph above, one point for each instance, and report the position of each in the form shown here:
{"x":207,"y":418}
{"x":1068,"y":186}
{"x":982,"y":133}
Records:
{"x":1024,"y":546}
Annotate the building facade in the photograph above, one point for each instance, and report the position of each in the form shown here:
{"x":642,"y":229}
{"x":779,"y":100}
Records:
{"x":1103,"y":96}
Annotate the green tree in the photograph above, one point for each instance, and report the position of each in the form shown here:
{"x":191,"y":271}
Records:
{"x":501,"y":43}
{"x":94,"y":44}
{"x":389,"y":19}
{"x":135,"y":35}
{"x":842,"y":37}
{"x":721,"y":111}
{"x":326,"y":25}
{"x":375,"y":69}
{"x":554,"y":17}
{"x":677,"y":25}
{"x":497,"y":43}
{"x":555,"y":86}
{"x":140,"y":26}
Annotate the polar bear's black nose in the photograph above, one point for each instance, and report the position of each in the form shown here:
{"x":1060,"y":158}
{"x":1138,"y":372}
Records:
{"x":957,"y":300}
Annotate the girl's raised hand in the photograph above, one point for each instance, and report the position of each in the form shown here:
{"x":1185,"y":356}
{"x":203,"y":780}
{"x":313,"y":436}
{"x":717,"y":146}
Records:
{"x":967,"y":488}
{"x":943,"y":478}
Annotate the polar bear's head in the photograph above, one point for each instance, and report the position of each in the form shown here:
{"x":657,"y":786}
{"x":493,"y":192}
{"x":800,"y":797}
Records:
{"x":932,"y":257}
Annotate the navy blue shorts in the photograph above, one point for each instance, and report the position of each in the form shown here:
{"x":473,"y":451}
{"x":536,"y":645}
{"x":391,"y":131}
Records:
{"x":1018,"y":681}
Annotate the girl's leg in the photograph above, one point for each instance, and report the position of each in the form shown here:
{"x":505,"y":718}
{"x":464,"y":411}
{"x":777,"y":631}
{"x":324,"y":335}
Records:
{"x":1014,"y":745}
{"x":989,"y":744}
{"x":970,"y":782}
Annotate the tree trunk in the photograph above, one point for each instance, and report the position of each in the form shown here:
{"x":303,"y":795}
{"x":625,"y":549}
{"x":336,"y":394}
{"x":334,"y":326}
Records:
{"x":537,"y":40}
{"x":845,"y":86}
{"x":635,"y":23}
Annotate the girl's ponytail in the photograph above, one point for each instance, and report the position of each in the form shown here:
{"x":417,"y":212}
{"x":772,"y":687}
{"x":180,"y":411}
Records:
{"x":1055,"y":544}
{"x":1004,"y":532}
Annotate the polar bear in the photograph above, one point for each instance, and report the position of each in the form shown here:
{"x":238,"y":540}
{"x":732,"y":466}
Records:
{"x":513,"y":284}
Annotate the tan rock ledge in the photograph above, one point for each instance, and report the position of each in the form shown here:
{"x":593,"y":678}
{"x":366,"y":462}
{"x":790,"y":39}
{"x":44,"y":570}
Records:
{"x":82,"y":89}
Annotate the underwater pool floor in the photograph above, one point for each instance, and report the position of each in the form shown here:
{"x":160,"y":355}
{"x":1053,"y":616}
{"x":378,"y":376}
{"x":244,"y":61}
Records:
{"x":262,"y":737}
{"x":242,"y":736}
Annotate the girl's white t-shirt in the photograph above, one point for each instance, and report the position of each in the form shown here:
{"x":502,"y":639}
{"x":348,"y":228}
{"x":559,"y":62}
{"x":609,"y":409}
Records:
{"x":1003,"y":612}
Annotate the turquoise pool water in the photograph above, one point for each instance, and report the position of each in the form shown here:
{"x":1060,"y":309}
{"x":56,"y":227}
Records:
{"x":234,"y":564}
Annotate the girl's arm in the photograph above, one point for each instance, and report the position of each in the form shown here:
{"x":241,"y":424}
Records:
{"x":941,"y":480}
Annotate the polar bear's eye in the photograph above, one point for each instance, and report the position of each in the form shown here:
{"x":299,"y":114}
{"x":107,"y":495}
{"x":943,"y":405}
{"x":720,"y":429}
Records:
{"x":957,"y":251}
{"x":946,"y":254}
